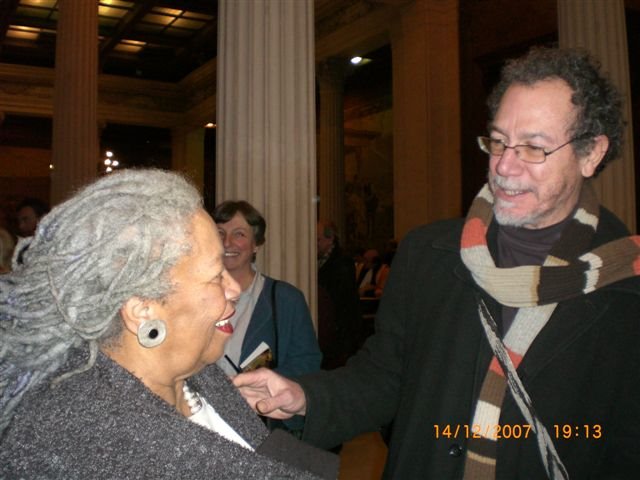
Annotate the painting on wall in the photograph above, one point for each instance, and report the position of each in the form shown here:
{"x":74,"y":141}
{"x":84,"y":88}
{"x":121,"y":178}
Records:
{"x":369,"y":182}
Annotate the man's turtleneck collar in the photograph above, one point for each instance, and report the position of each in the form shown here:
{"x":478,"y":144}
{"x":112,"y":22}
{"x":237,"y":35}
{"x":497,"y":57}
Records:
{"x":522,"y":246}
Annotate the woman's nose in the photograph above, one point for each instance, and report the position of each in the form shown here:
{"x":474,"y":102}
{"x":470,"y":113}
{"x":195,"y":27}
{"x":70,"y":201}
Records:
{"x":225,"y":239}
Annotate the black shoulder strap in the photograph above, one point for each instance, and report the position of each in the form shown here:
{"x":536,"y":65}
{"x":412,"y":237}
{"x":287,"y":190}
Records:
{"x":275,"y":323}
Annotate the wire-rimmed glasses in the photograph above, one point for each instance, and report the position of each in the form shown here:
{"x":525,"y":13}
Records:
{"x":526,"y":153}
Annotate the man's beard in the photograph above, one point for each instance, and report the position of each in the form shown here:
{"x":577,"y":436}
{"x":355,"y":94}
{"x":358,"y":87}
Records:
{"x":501,"y":208}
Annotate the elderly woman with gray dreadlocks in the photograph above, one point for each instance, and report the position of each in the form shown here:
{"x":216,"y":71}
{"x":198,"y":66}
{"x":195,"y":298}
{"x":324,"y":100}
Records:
{"x":109,"y":333}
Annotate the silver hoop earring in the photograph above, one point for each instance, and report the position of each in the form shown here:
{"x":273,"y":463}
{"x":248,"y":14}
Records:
{"x":152,"y":333}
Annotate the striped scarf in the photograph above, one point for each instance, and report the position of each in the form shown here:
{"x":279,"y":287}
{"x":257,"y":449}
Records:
{"x":535,"y":291}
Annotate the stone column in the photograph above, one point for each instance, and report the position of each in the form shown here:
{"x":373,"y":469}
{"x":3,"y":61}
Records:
{"x":426,"y":114}
{"x":265,"y":149}
{"x":75,"y":148}
{"x":187,"y":153}
{"x":599,"y":26}
{"x":331,"y":142}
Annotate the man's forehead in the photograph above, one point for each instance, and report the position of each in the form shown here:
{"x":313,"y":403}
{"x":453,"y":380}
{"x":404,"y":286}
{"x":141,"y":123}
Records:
{"x":537,"y":106}
{"x":552,"y":89}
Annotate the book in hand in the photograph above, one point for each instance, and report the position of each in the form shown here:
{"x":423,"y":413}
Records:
{"x":260,"y":357}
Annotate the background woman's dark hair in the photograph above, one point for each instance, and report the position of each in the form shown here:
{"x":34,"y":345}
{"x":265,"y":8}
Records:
{"x":598,"y":102}
{"x":226,"y":210}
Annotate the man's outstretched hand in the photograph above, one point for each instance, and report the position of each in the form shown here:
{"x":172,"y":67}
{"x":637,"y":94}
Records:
{"x":270,"y":394}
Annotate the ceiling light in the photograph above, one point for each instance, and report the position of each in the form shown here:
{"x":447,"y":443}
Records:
{"x":24,"y":33}
{"x":359,"y":61}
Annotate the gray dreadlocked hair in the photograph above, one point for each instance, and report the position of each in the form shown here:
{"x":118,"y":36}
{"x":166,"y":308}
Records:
{"x":115,"y":239}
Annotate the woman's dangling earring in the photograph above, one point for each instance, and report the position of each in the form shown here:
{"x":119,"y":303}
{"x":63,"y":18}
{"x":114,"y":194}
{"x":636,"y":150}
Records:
{"x":152,"y":333}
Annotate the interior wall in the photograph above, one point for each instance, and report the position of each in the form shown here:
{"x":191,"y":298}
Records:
{"x":24,"y":172}
{"x":25,"y":157}
{"x":488,"y":38}
{"x":368,"y":151}
{"x":369,"y":181}
{"x":633,"y":42}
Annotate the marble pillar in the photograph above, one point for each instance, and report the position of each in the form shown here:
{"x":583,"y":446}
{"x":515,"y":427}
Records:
{"x":187,"y":153}
{"x":265,"y":148}
{"x":331,"y":174}
{"x":75,"y":147}
{"x":599,"y":26}
{"x":426,"y":114}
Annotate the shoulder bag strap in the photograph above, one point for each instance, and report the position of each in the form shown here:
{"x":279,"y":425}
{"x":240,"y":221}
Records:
{"x":275,"y":323}
{"x":550,"y":458}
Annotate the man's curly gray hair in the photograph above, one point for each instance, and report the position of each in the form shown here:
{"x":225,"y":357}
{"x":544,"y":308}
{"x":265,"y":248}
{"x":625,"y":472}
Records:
{"x":115,"y":239}
{"x":598,"y":103}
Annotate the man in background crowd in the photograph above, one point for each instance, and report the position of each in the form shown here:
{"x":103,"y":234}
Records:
{"x":338,"y":301}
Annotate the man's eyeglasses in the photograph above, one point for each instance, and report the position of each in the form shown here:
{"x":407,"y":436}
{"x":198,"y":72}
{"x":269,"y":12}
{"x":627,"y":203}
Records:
{"x":526,"y":153}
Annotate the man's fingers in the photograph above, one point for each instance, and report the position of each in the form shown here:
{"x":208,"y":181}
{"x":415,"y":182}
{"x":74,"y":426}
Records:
{"x":274,"y":407}
{"x":263,"y":407}
{"x":270,"y":394}
{"x":249,"y":379}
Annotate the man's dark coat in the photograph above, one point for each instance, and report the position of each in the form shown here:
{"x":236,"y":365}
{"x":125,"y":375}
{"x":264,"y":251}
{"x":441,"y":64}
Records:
{"x":424,"y":366}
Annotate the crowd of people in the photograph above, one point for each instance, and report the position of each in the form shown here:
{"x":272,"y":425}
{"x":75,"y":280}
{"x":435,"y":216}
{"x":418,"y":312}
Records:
{"x":133,"y":338}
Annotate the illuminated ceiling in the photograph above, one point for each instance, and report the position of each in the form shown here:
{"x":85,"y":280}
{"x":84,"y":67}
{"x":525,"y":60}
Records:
{"x":153,"y":39}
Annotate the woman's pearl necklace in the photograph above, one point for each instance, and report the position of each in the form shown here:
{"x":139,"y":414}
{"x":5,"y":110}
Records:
{"x":193,"y":399}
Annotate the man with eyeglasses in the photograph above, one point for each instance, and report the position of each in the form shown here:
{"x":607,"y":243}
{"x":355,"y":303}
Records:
{"x":507,"y":345}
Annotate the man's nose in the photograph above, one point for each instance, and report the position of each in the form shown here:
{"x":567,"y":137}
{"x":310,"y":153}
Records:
{"x":509,"y":163}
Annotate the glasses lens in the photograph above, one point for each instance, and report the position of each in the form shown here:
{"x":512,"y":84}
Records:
{"x":492,"y":147}
{"x":531,"y":153}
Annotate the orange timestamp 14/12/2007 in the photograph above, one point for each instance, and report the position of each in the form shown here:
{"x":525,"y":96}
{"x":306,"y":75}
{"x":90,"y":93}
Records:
{"x":490,"y":430}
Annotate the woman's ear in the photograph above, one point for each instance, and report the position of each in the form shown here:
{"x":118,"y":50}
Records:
{"x":593,"y":159}
{"x":135,"y":311}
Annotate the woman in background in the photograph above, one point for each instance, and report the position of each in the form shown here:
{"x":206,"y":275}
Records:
{"x":268,"y":310}
{"x":108,"y":333}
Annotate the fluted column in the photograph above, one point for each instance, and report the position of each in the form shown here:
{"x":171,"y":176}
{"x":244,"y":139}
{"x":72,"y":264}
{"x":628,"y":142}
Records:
{"x":599,"y":26}
{"x":331,"y":142}
{"x":187,"y":153}
{"x":426,"y":114}
{"x":75,"y":99}
{"x":265,"y":149}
